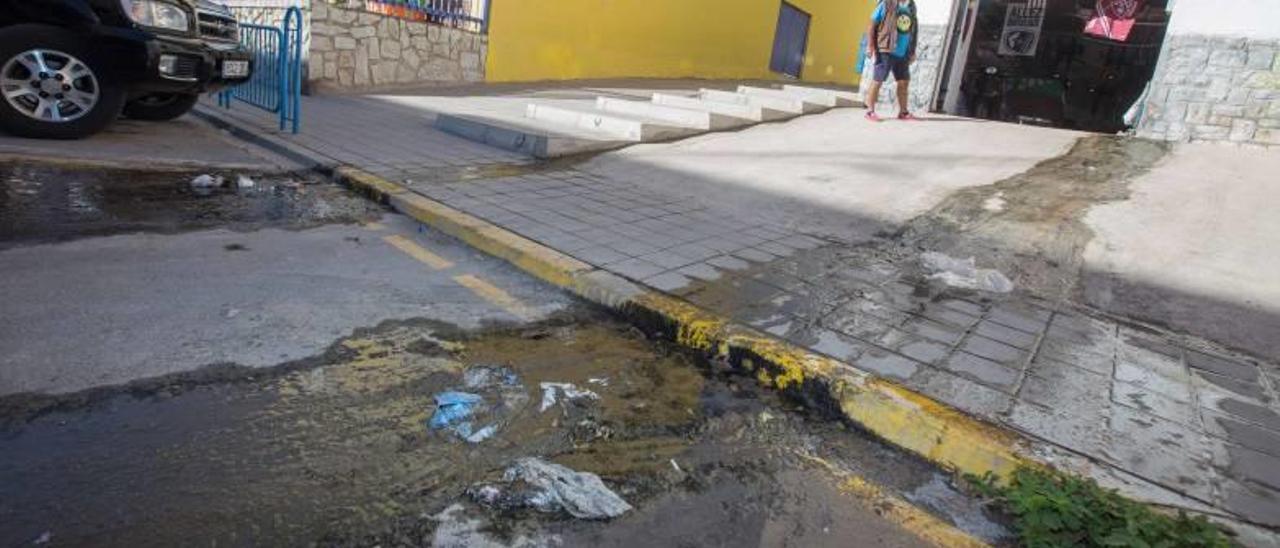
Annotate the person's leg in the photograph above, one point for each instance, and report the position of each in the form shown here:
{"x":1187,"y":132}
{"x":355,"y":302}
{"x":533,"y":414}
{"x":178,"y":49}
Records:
{"x":873,"y":94}
{"x":880,"y":73}
{"x":904,"y":96}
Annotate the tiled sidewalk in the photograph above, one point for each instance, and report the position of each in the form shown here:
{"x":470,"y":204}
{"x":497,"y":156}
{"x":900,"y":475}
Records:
{"x":381,"y":137}
{"x":1175,"y":420}
{"x":1181,"y":414}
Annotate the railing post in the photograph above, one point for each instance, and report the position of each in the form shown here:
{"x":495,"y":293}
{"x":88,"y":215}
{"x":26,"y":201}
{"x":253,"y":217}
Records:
{"x":488,"y":9}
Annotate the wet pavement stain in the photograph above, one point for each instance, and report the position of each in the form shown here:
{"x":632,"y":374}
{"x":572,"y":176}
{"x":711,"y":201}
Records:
{"x":40,"y":203}
{"x":336,"y":451}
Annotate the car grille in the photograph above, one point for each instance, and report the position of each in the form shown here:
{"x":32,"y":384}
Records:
{"x":218,"y":27}
{"x":186,"y":68}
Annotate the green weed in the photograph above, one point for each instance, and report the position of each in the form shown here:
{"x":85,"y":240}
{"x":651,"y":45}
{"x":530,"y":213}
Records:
{"x":1052,"y":509}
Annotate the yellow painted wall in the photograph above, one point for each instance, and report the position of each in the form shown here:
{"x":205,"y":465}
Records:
{"x":532,"y":40}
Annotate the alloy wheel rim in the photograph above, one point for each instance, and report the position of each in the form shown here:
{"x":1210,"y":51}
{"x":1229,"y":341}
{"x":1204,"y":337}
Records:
{"x":49,"y":85}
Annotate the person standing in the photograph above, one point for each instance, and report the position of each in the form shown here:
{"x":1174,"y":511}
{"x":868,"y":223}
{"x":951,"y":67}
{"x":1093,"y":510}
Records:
{"x":892,"y":48}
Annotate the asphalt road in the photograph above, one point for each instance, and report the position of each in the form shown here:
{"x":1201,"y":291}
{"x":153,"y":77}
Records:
{"x":256,"y":365}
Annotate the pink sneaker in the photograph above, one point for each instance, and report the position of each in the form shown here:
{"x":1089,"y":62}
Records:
{"x":907,"y":117}
{"x":873,"y":117}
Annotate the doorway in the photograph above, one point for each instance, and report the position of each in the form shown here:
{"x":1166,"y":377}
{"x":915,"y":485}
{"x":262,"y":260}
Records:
{"x":790,"y":41}
{"x":1040,"y":62}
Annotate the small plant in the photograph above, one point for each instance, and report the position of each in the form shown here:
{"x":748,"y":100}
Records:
{"x":1052,"y":509}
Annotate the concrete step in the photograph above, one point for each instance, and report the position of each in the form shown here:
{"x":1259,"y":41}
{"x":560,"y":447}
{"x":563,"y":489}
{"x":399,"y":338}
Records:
{"x":527,"y":138}
{"x":791,"y":106}
{"x":808,"y":104}
{"x":837,"y":98}
{"x":668,"y":114}
{"x":744,"y":112}
{"x":623,"y":127}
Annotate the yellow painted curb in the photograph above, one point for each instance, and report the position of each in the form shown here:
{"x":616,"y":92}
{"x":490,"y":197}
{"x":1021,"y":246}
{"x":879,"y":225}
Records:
{"x":933,"y":430}
{"x":922,"y":524}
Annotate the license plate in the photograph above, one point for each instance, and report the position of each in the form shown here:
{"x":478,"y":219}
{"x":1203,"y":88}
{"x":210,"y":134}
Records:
{"x":235,"y":69}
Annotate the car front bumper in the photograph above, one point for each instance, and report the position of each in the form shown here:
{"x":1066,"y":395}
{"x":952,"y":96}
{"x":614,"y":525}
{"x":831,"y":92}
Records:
{"x":178,"y":65}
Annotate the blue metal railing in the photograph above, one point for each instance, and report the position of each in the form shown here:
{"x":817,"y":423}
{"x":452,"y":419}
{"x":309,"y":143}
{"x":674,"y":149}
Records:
{"x":276,"y":83}
{"x":467,"y":14}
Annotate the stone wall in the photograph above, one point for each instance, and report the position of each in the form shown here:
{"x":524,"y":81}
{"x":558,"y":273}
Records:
{"x":924,"y":73}
{"x":1213,"y":88}
{"x":355,"y":49}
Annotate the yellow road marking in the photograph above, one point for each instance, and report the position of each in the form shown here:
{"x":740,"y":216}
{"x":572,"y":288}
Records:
{"x":918,"y":522}
{"x":374,"y":225}
{"x":418,"y":252}
{"x":495,"y":295}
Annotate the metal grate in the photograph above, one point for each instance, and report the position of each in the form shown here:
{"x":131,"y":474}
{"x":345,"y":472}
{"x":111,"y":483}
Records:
{"x":186,"y":68}
{"x":218,"y":27}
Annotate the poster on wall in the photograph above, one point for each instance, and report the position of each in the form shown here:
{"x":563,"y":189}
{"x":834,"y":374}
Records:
{"x":1114,"y":19}
{"x":1022,"y":26}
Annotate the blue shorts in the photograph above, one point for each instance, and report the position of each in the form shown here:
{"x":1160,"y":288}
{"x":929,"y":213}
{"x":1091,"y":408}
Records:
{"x":886,"y":63}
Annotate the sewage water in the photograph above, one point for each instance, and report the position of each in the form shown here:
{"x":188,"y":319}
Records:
{"x":40,"y":203}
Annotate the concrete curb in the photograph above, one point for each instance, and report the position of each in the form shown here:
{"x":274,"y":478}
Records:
{"x":904,"y":418}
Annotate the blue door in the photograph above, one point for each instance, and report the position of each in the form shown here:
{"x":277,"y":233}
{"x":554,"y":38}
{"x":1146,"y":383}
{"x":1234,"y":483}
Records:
{"x":790,"y":41}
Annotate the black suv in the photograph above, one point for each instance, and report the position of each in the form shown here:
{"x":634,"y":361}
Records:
{"x":68,"y":68}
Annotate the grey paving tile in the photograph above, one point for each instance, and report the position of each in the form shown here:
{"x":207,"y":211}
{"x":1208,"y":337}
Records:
{"x":972,"y":309}
{"x":1155,"y":403}
{"x":726,"y":262}
{"x":667,"y":281}
{"x":995,"y":351}
{"x":1164,"y":451}
{"x":755,"y":255}
{"x":964,"y":394}
{"x":776,"y":248}
{"x":1254,"y":466}
{"x":862,"y":326}
{"x":830,"y":343}
{"x":1090,"y":357}
{"x":695,"y":251}
{"x":1238,"y":370}
{"x":932,"y":330}
{"x":1086,"y":394}
{"x":568,"y":243}
{"x":888,"y":364}
{"x":1258,"y":415}
{"x":701,"y":271}
{"x":634,"y":248}
{"x":600,"y":255}
{"x":1175,"y":389}
{"x":1007,"y":335}
{"x":1231,"y":385}
{"x":948,"y":316}
{"x":1257,"y":503}
{"x":635,"y":269}
{"x":1253,"y":437}
{"x":668,"y":260}
{"x":982,"y":370}
{"x":1076,"y":429}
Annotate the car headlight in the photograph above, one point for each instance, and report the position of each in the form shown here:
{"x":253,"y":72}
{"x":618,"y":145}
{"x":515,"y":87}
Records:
{"x":157,"y":14}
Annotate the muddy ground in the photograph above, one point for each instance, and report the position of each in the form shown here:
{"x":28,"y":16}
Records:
{"x":336,"y":451}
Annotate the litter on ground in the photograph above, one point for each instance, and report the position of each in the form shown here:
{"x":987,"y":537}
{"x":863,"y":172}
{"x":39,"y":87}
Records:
{"x":551,"y":488}
{"x":554,"y":391}
{"x":964,"y":273}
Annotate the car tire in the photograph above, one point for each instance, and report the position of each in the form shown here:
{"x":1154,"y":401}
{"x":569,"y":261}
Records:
{"x":70,"y":98}
{"x":160,"y":107}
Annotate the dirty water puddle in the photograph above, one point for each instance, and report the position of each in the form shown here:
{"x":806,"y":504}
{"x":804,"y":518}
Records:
{"x":49,"y":204}
{"x":345,"y":452}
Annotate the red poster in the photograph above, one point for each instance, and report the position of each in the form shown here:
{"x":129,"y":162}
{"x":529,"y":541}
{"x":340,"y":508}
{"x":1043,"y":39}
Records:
{"x":1114,"y":20}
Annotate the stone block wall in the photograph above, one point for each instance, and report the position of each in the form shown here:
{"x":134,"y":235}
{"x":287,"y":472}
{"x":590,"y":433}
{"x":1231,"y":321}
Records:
{"x":1213,"y":88}
{"x":924,"y":73}
{"x":355,"y":49}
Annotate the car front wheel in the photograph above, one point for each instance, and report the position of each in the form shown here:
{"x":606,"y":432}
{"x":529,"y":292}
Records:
{"x":159,"y":107}
{"x":52,"y":86}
